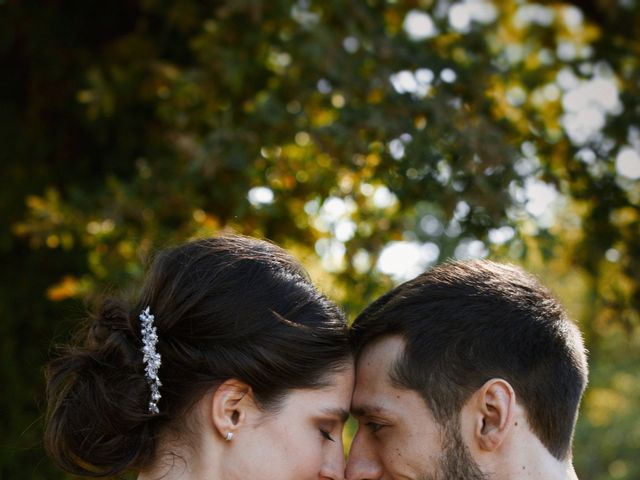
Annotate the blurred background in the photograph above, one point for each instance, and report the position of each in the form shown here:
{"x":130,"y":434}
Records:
{"x":371,"y":138}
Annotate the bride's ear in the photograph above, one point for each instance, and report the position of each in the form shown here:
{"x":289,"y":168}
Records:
{"x":229,"y":406}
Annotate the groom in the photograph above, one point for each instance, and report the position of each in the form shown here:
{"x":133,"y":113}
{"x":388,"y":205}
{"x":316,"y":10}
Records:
{"x":470,"y":371}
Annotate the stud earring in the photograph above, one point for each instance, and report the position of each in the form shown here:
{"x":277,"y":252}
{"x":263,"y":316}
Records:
{"x":228,"y":436}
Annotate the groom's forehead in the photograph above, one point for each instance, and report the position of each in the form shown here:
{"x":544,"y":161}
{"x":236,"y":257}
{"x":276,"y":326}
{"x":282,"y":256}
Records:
{"x":372,"y":400}
{"x":376,"y":359}
{"x":376,"y":394}
{"x":373,"y":380}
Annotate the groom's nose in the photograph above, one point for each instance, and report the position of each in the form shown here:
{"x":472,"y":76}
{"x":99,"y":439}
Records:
{"x":363,"y":462}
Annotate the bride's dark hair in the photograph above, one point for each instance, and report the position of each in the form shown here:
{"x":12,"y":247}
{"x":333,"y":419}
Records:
{"x":225,"y":307}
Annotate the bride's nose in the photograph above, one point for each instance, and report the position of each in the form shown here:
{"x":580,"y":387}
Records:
{"x":334,"y":464}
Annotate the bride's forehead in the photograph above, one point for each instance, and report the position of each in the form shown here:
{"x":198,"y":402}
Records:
{"x":331,"y":399}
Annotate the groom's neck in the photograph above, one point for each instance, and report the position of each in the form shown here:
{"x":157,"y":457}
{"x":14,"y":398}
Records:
{"x":527,"y":458}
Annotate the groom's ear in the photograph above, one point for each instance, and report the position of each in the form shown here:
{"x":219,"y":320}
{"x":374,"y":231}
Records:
{"x":492,"y":409}
{"x":229,"y":406}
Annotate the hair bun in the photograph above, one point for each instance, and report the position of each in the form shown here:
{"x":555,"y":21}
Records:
{"x":113,"y":316}
{"x":98,"y":419}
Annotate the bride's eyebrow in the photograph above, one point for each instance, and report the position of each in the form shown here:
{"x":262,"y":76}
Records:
{"x":338,"y":413}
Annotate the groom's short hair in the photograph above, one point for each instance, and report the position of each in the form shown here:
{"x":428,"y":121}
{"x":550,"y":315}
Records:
{"x":467,"y":322}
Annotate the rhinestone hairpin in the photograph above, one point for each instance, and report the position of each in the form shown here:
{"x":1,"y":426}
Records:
{"x":151,"y":358}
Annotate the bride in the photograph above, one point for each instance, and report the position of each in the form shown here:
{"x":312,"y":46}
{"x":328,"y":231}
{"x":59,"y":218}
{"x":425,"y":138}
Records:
{"x":230,"y":366}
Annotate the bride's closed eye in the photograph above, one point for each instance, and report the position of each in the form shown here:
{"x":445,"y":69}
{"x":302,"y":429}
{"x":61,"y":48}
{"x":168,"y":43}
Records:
{"x":325,"y":434}
{"x":330,"y":421}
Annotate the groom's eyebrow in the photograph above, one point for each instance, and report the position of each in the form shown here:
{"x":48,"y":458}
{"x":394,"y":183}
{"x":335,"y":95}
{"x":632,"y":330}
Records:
{"x":366,"y":410}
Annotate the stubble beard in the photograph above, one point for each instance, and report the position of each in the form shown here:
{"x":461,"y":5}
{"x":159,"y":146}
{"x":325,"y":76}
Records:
{"x":456,"y":462}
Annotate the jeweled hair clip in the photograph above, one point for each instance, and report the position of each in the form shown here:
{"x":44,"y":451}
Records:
{"x":151,"y":358}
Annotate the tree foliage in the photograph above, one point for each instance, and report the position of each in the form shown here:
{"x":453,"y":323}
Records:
{"x":336,"y":129}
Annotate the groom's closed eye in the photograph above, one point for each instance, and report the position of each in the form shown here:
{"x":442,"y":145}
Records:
{"x":373,"y":426}
{"x":370,"y":416}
